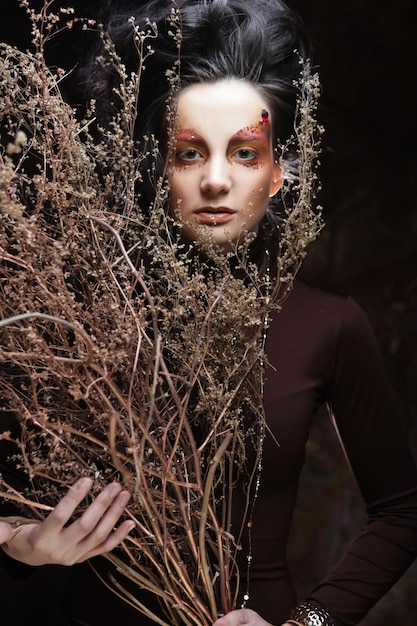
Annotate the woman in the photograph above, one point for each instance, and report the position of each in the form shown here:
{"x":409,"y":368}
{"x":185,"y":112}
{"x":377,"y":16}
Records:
{"x":236,"y":100}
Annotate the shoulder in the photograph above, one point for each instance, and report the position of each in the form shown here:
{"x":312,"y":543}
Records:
{"x":320,"y":310}
{"x":318,"y":328}
{"x":319,"y":300}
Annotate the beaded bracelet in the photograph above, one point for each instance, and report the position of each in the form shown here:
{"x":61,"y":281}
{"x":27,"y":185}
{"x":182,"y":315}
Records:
{"x":309,"y":614}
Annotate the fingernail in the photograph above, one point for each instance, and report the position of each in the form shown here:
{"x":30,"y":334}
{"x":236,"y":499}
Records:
{"x":125,"y":497}
{"x":84,"y":483}
{"x":115,"y":490}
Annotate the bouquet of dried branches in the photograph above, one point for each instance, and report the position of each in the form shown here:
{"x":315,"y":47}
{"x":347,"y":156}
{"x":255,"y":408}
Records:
{"x":126,"y":356}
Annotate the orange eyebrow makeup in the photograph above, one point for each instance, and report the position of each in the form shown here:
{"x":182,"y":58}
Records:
{"x":249,"y":134}
{"x":188,"y":135}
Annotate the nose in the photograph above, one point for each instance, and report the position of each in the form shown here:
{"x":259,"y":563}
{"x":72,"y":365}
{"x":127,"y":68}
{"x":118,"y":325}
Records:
{"x":216,"y":176}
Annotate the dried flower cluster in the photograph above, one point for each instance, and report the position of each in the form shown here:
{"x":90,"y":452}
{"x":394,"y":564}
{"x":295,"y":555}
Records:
{"x":124,"y":355}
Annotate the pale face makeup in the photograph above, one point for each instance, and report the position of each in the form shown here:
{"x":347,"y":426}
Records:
{"x":223,"y":170}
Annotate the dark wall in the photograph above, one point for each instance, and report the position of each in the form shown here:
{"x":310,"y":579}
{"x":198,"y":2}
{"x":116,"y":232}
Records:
{"x":366,"y":53}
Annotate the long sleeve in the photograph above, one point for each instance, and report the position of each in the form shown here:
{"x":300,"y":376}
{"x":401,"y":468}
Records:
{"x":322,"y":351}
{"x":373,"y":435}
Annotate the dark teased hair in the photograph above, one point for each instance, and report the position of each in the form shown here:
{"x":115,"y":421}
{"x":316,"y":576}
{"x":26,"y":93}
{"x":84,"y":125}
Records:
{"x":258,"y":41}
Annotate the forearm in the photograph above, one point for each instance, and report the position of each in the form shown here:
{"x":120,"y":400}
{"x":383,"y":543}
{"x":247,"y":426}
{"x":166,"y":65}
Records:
{"x":366,"y":572}
{"x":310,"y":614}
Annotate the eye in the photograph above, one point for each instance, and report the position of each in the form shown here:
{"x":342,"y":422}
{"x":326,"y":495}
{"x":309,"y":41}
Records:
{"x":188,"y":155}
{"x":245,"y":155}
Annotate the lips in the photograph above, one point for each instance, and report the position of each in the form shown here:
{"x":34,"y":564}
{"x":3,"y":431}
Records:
{"x":212,"y":216}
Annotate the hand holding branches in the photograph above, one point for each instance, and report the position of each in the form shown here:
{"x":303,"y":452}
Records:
{"x":54,"y":541}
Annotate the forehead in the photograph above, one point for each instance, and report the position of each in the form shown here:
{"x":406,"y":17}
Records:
{"x":221,"y":107}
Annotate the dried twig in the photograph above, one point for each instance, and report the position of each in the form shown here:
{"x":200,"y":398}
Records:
{"x":123,"y":357}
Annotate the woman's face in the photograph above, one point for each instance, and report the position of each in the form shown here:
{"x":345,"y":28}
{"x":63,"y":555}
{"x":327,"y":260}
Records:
{"x":223,"y":170}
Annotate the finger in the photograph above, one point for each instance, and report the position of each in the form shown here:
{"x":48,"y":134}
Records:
{"x":96,"y":531}
{"x":239,"y":617}
{"x":66,"y":507}
{"x":112,"y":541}
{"x":234,"y":618}
{"x":6,"y":532}
{"x":100,"y":517}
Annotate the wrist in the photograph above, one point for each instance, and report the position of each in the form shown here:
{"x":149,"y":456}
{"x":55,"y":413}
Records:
{"x":310,"y":614}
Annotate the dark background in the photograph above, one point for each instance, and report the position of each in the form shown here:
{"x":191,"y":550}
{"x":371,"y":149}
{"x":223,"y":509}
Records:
{"x":366,"y":53}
